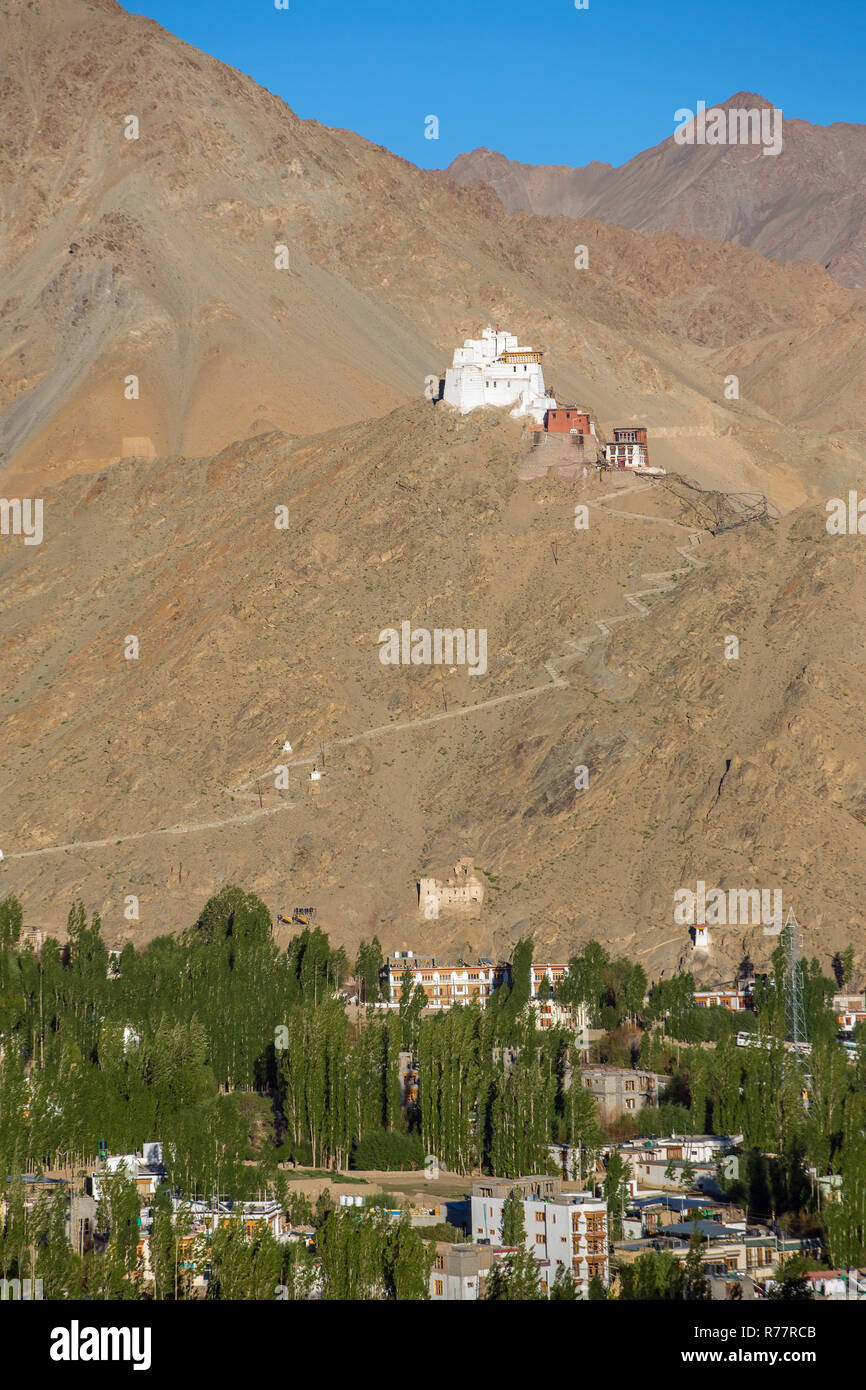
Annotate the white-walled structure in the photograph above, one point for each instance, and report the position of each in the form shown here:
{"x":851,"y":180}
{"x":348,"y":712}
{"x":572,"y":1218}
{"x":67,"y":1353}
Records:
{"x":495,"y":370}
{"x":562,"y":1228}
{"x":146,"y":1170}
{"x":463,"y":892}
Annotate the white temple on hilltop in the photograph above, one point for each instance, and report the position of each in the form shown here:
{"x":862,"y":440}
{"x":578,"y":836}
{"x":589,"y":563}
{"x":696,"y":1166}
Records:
{"x":495,"y":370}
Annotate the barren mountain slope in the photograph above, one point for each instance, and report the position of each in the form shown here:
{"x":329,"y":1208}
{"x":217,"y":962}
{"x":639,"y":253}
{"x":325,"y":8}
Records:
{"x":807,"y":203}
{"x":745,"y":773}
{"x":155,"y":258}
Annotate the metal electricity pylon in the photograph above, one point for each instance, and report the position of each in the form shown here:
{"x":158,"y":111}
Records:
{"x":795,"y":1017}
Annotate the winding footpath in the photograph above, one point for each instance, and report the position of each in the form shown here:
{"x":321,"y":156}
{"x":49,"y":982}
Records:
{"x":661,"y":582}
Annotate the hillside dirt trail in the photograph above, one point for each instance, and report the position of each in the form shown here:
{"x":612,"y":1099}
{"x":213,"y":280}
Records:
{"x":662,"y":583}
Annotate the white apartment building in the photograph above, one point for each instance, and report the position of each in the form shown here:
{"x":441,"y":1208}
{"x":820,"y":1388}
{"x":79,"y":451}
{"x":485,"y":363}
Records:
{"x":551,"y":975}
{"x":650,"y":1159}
{"x":563,"y":1229}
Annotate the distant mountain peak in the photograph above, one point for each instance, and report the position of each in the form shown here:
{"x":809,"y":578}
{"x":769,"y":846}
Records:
{"x":808,"y":206}
{"x":742,"y":99}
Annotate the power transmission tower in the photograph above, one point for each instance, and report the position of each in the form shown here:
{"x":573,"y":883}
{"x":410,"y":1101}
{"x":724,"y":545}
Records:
{"x":795,"y":1017}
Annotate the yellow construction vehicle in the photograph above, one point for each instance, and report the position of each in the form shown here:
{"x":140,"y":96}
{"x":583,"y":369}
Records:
{"x":301,"y":917}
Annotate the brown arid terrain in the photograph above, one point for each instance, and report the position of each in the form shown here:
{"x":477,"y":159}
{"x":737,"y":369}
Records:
{"x":606,"y":648}
{"x":154,"y":777}
{"x":154,"y":258}
{"x":807,"y":203}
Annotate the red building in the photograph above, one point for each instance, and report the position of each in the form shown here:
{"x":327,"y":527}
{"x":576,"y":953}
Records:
{"x":567,"y":419}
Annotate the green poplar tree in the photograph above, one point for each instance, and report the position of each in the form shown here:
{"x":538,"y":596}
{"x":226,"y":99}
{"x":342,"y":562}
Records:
{"x":514,"y":1278}
{"x":696,"y":1286}
{"x":513,"y":1225}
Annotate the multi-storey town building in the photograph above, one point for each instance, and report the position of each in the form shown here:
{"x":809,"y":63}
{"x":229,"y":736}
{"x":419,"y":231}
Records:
{"x":733,"y":997}
{"x":445,"y":983}
{"x":459,"y":1271}
{"x":752,"y":1249}
{"x":146,"y":1170}
{"x":563,"y":1229}
{"x":545,"y":978}
{"x":620,"y":1090}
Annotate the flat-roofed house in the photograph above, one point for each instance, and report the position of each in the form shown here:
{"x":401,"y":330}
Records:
{"x":563,"y":1229}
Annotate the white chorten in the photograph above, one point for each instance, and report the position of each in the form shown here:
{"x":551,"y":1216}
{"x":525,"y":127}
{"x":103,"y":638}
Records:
{"x":495,"y":370}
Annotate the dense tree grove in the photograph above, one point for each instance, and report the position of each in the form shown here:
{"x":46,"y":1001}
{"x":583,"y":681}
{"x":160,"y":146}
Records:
{"x":658,"y":1275}
{"x":151,"y":1045}
{"x":795,"y":1113}
{"x":335,"y":1088}
{"x":484,"y":1103}
{"x":515,"y":1279}
{"x":611,"y":990}
{"x":368,"y":972}
{"x":373,"y":1258}
{"x":238,"y":1055}
{"x":200,"y":1040}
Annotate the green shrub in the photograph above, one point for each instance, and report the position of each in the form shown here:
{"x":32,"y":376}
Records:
{"x":386,"y":1149}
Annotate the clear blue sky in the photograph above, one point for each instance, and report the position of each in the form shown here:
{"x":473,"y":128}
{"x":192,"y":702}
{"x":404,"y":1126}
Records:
{"x":537,"y":79}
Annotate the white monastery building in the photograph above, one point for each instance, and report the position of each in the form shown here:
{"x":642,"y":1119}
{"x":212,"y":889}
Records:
{"x":495,"y":370}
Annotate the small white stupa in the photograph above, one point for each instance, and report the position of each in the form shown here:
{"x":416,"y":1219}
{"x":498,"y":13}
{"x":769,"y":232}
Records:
{"x":495,"y":370}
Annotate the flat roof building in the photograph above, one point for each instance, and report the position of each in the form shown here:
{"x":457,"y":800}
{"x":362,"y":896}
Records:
{"x":445,"y":983}
{"x":621,"y":1090}
{"x":569,"y":419}
{"x":565,"y":1230}
{"x":459,"y":1271}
